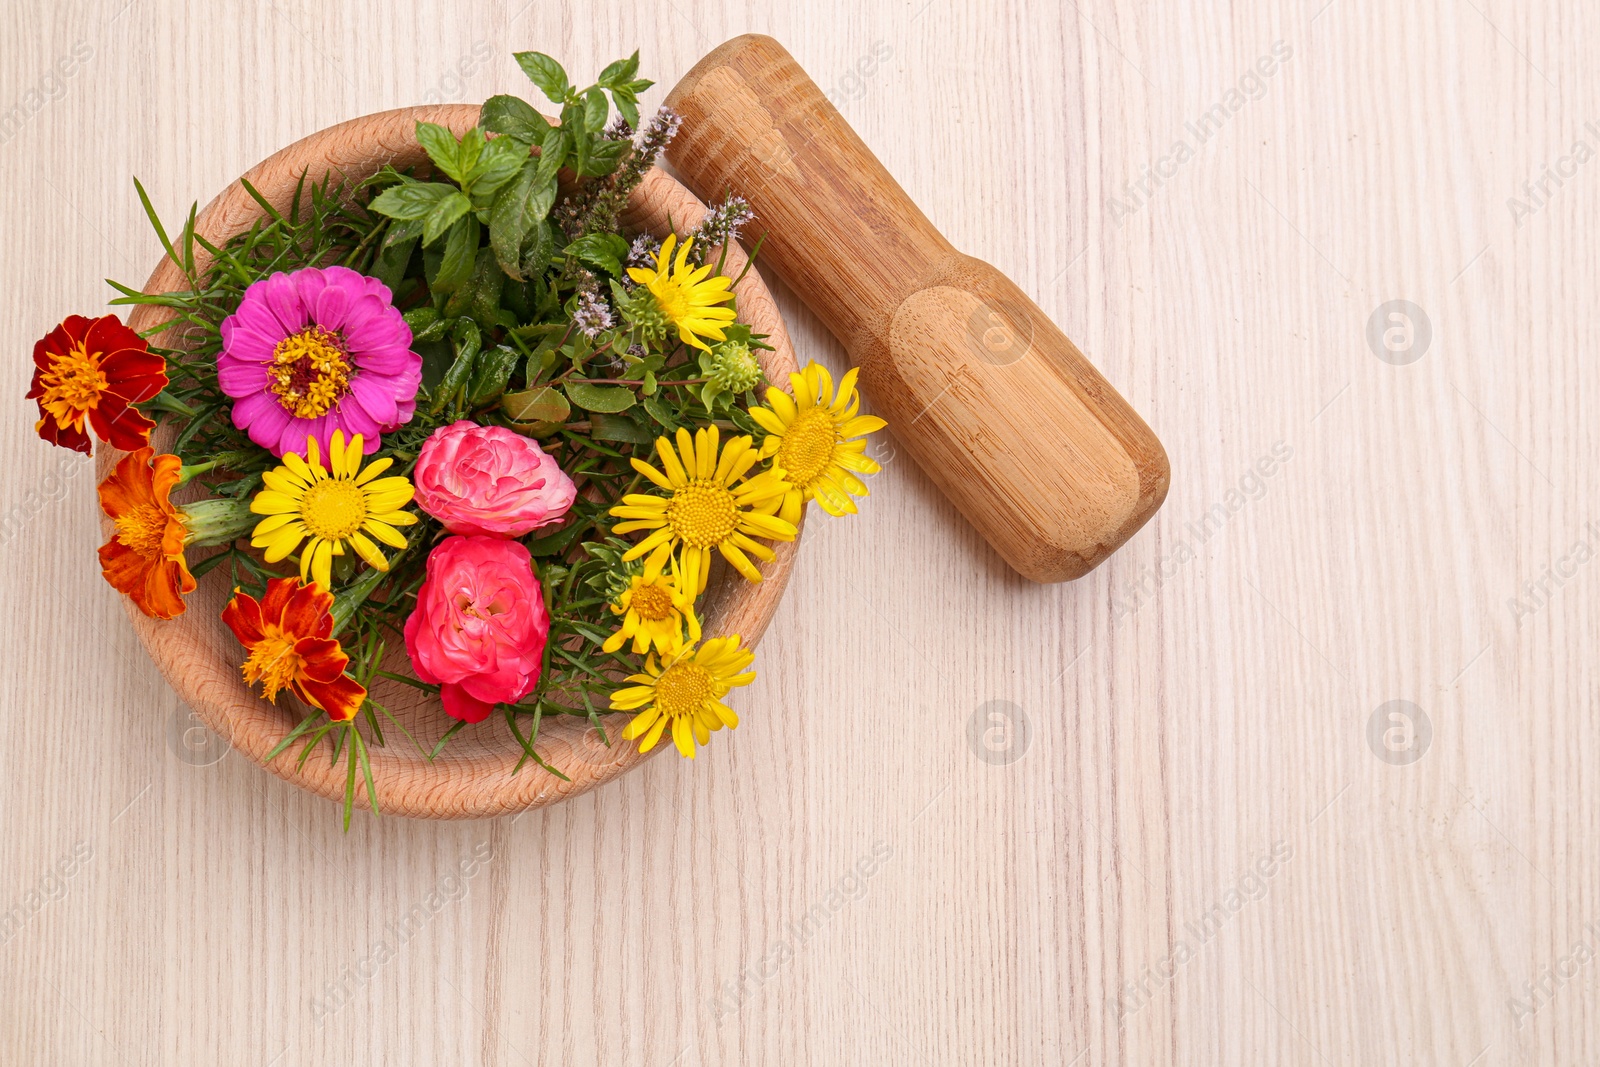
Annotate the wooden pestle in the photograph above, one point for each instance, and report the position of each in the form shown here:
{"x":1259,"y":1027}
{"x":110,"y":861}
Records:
{"x":1000,"y":409}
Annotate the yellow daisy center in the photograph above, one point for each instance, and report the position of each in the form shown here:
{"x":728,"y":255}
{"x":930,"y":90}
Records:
{"x":73,"y":383}
{"x":652,"y":602}
{"x":273,"y":661}
{"x":143,"y":529}
{"x":807,"y":447}
{"x":672,"y":297}
{"x":683,"y":689}
{"x":309,"y":372}
{"x":333,"y":508}
{"x":703,"y":513}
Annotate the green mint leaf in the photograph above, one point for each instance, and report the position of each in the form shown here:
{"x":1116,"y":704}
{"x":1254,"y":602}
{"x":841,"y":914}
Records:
{"x":603,"y":157}
{"x":546,"y":73}
{"x":619,"y":72}
{"x":595,"y":109}
{"x":603,"y":250}
{"x":460,"y":250}
{"x":472,"y":144}
{"x":498,"y":163}
{"x":517,"y":209}
{"x":627,"y":106}
{"x":514,"y":118}
{"x":444,"y":215}
{"x":413,"y":200}
{"x":553,"y":153}
{"x":443,"y":148}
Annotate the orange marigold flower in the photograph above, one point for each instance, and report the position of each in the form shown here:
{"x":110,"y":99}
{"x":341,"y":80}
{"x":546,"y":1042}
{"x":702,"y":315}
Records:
{"x":94,"y":369}
{"x":144,"y":558}
{"x":287,"y":633}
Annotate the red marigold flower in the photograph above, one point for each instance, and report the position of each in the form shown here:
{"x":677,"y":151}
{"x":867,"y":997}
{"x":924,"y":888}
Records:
{"x":287,"y":633}
{"x":144,"y":558}
{"x":94,"y":369}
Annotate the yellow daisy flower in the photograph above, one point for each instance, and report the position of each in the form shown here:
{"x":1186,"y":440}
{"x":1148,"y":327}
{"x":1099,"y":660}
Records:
{"x":707,"y":507}
{"x":330,"y":506}
{"x":688,"y":298}
{"x":815,"y":436}
{"x":685,"y":692}
{"x":654,"y":610}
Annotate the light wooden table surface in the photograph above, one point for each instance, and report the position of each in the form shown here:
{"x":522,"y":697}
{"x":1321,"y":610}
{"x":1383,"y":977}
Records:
{"x":1166,"y":814}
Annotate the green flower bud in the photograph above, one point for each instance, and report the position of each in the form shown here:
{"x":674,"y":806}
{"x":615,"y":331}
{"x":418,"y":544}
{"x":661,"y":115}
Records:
{"x":646,"y":321}
{"x":734,"y":367}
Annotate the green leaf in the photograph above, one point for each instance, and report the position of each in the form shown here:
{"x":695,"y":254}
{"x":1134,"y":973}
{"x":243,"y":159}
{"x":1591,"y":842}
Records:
{"x":514,"y":118}
{"x":545,"y":73}
{"x":608,"y":399}
{"x":499,"y":162}
{"x":627,"y":106}
{"x":573,"y":123}
{"x":389,"y":267}
{"x":444,"y":215}
{"x":544,"y":404}
{"x":552,"y":154}
{"x":468,"y":341}
{"x":414,"y":200}
{"x":455,"y":728}
{"x":620,"y":428}
{"x":292,"y":736}
{"x":472,"y":144}
{"x":460,"y":250}
{"x":552,"y":543}
{"x":604,"y":156}
{"x":595,"y":109}
{"x":658,"y":410}
{"x":488,"y":282}
{"x":402,"y":233}
{"x":603,"y":250}
{"x":155,"y":220}
{"x":490,"y":375}
{"x":421,"y":319}
{"x":619,"y":72}
{"x":517,"y":208}
{"x":443,"y":148}
{"x":539,"y":249}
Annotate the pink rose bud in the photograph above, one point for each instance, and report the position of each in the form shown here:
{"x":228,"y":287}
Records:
{"x":480,"y":625}
{"x":489,"y":480}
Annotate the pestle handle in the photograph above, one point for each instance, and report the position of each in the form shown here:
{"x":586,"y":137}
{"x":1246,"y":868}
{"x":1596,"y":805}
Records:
{"x":996,"y":405}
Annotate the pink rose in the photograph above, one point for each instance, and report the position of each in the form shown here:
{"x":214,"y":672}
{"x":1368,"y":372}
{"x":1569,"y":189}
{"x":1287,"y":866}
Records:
{"x":489,"y":480}
{"x":479,"y":628}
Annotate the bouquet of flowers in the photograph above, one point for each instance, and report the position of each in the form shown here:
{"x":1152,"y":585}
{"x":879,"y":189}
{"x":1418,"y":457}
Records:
{"x":462,"y":410}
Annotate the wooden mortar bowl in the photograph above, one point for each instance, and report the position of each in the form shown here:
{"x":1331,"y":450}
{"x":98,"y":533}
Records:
{"x":472,"y":778}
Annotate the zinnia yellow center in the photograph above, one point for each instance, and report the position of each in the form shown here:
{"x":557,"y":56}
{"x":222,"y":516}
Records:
{"x":652,"y":602}
{"x":309,"y":372}
{"x":703,"y":513}
{"x":682,"y":689}
{"x":807,"y":447}
{"x":73,"y":383}
{"x":142,"y":529}
{"x":273,"y":661}
{"x":333,"y":508}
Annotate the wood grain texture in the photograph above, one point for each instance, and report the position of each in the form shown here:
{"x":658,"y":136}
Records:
{"x":1021,"y":432}
{"x":1202,"y":696}
{"x":477,"y":778}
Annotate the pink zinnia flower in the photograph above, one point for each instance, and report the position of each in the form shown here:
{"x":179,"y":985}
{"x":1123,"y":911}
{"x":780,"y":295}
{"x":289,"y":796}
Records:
{"x":490,"y":480}
{"x":318,"y":350}
{"x":480,"y":625}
